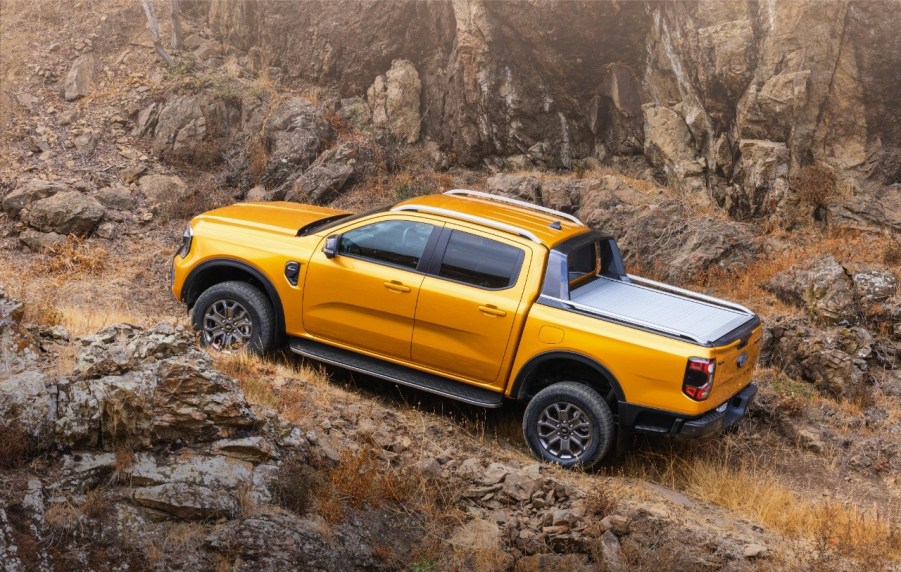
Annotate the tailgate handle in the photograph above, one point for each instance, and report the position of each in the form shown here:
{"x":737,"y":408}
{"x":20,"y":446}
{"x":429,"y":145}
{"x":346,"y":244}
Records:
{"x":492,"y":310}
{"x":397,"y":286}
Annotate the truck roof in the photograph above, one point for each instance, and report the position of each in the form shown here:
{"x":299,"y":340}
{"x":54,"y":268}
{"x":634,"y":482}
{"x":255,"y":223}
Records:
{"x":540,"y":224}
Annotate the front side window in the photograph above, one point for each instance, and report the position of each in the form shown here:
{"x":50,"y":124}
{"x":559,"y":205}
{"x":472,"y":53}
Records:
{"x":480,"y":261}
{"x":395,"y":242}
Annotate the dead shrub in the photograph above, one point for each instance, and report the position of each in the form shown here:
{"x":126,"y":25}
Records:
{"x":15,"y":446}
{"x":258,"y":156}
{"x":892,"y":254}
{"x":77,"y":256}
{"x":814,"y":184}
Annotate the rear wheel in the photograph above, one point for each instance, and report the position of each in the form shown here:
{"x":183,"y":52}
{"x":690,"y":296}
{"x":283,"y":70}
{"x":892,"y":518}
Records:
{"x":234,"y":316}
{"x":570,"y":424}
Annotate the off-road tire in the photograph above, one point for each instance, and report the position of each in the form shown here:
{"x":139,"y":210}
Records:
{"x":252,"y":300}
{"x":586,"y":407}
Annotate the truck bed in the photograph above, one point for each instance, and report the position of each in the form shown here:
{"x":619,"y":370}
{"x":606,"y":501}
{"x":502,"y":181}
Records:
{"x":698,"y":318}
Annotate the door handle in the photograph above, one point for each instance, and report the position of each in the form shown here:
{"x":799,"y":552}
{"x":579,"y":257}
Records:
{"x":492,"y":310}
{"x":396,"y":286}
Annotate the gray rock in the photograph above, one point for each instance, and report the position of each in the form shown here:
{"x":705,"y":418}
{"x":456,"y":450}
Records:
{"x":326,"y":177}
{"x":763,"y":178}
{"x":191,"y":127}
{"x":67,"y":212}
{"x":662,"y":233}
{"x":117,"y":198}
{"x":80,"y":77}
{"x":355,"y":111}
{"x":612,"y":553}
{"x":254,"y":449}
{"x":520,"y":487}
{"x":28,"y":399}
{"x":821,"y":287}
{"x":28,"y":192}
{"x":879,"y":208}
{"x":617,"y":523}
{"x":163,"y":189}
{"x":394,"y":100}
{"x":755,"y":551}
{"x":256,"y":194}
{"x":86,"y":143}
{"x":37,"y":241}
{"x":522,"y":187}
{"x":874,"y":286}
{"x":670,"y":147}
{"x":292,"y":135}
{"x":67,"y":117}
{"x":187,"y":502}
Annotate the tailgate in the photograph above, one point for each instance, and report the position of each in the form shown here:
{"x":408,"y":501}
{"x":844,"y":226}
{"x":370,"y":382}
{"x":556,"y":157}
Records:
{"x":735,"y":366}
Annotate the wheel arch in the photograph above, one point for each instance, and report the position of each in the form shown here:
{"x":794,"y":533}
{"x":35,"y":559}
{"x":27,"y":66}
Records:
{"x":568,"y":366}
{"x":211,"y":272}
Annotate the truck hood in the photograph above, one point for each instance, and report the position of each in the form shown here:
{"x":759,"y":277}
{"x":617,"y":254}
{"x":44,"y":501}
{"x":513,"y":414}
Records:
{"x":279,"y":217}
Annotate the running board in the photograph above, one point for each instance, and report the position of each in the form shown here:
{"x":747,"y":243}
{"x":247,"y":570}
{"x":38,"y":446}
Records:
{"x":396,"y":373}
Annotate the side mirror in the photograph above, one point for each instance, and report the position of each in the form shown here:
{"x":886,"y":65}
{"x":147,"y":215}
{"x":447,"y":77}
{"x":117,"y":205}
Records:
{"x":331,"y":245}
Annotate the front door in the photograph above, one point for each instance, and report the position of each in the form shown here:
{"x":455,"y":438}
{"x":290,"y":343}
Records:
{"x":365,"y":297}
{"x":468,"y":305}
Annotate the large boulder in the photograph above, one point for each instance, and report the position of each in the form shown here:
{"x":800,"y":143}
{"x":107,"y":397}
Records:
{"x":290,"y":141}
{"x":28,"y":192}
{"x":663,"y":235}
{"x":669,"y":146}
{"x":67,"y":212}
{"x":822,"y":287}
{"x":326,"y":177}
{"x":191,"y":127}
{"x":162,"y":189}
{"x":522,"y":187}
{"x":394,"y":101}
{"x":80,"y":77}
{"x":187,"y":502}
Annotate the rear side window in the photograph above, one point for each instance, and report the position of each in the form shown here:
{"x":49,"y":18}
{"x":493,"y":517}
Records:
{"x":480,"y":261}
{"x":395,"y":242}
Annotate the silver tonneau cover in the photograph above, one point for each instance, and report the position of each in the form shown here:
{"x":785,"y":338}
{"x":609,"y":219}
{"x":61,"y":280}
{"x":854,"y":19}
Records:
{"x":661,"y":307}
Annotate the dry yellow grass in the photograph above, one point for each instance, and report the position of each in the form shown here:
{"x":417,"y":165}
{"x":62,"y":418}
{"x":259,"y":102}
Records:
{"x":755,"y":489}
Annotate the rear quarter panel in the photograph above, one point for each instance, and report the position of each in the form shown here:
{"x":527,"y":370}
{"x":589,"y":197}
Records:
{"x":650,"y":368}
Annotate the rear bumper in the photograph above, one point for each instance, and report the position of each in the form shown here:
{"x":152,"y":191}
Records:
{"x":646,"y":420}
{"x":721,"y":418}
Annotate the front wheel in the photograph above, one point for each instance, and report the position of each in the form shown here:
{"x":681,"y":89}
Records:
{"x":569,"y":424}
{"x":233,"y":316}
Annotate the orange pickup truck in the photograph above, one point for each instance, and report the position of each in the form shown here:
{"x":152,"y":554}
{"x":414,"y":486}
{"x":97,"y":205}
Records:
{"x":479,"y":298}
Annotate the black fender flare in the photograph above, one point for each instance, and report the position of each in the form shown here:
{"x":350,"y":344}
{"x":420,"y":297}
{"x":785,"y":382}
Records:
{"x":188,"y":286}
{"x":519,"y":384}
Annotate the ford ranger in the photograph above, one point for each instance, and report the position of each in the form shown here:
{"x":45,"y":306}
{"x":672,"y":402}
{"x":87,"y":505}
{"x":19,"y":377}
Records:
{"x":480,"y":298}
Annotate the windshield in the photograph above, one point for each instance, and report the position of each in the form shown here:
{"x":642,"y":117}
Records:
{"x":332,"y":221}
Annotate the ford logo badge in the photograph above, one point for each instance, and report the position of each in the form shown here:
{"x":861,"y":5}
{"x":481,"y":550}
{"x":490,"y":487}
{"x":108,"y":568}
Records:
{"x":742,"y":359}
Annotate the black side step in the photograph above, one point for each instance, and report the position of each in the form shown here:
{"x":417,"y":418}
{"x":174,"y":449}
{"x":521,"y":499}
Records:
{"x":397,"y":373}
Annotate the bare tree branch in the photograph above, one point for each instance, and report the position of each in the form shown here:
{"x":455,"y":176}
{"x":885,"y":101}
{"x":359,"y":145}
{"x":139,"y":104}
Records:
{"x":155,"y":32}
{"x":176,"y":25}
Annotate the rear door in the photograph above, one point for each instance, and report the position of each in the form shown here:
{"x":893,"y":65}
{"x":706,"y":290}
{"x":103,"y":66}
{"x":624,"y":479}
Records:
{"x":365,"y":297}
{"x":468,"y":304}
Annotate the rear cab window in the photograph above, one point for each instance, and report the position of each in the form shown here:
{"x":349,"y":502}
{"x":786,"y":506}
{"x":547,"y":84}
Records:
{"x":480,"y":262}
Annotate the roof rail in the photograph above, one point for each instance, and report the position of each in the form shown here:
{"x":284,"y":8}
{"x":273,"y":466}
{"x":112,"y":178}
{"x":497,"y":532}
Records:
{"x":523,"y":204}
{"x":471,"y":218}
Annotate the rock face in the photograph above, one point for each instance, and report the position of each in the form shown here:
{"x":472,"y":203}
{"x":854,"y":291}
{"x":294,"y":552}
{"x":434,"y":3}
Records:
{"x":325,"y":177}
{"x":394,"y":100}
{"x":189,"y":127}
{"x":28,"y":192}
{"x":737,"y":96}
{"x":822,"y":287}
{"x":655,"y":233}
{"x":290,"y":140}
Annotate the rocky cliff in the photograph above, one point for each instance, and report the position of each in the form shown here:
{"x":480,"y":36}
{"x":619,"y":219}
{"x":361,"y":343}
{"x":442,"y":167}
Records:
{"x":731,"y":100}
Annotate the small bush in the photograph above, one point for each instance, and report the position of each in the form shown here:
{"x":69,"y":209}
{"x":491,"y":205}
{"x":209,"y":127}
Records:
{"x":15,"y":448}
{"x":814,"y":184}
{"x":293,"y":485}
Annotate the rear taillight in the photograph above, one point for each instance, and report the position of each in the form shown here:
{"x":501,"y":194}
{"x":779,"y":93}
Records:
{"x":698,"y":378}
